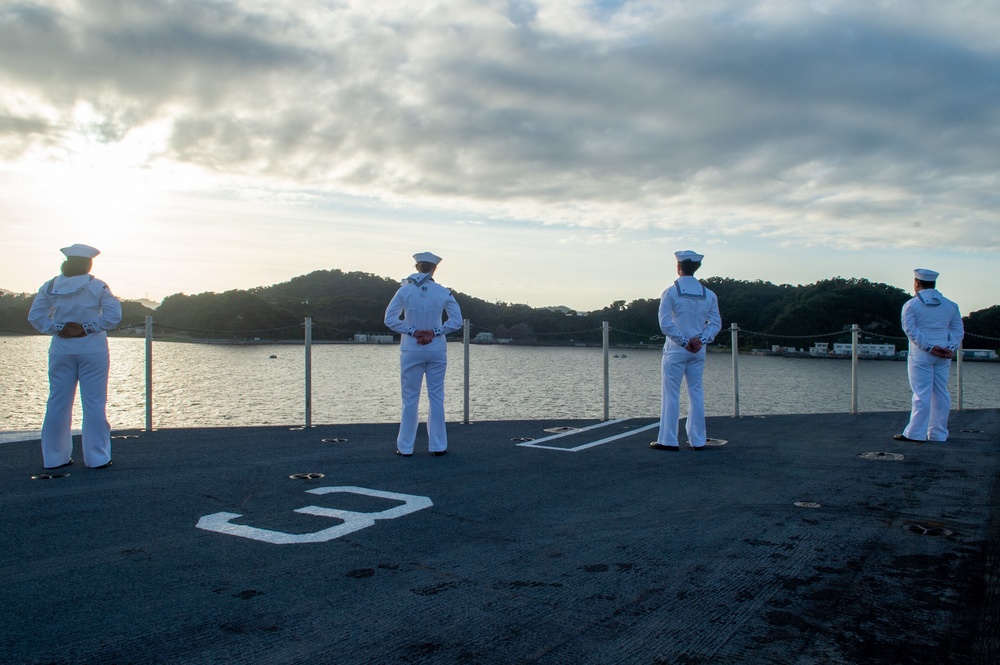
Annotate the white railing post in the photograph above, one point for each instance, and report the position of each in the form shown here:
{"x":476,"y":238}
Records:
{"x":958,"y":372}
{"x":734,"y":337}
{"x":465,"y":380}
{"x":855,"y":330}
{"x":607,"y":383}
{"x":308,"y":367}
{"x":149,"y":374}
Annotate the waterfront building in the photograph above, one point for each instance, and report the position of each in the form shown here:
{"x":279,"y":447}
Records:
{"x":979,"y":354}
{"x":865,"y":349}
{"x":373,"y":338}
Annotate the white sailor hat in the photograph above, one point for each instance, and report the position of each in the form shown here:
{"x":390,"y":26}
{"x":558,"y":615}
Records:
{"x":86,"y":251}
{"x":688,"y":255}
{"x":427,"y":257}
{"x":925,"y":275}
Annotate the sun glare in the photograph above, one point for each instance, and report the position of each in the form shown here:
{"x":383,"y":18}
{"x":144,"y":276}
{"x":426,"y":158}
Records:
{"x":99,"y":187}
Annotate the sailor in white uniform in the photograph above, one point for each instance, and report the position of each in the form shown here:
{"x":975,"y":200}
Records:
{"x":416,"y":313}
{"x":76,"y":309}
{"x":934,"y":327}
{"x":690,"y":319}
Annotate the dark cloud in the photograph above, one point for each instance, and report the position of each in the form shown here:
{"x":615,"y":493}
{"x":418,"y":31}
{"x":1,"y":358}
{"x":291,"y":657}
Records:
{"x":846,"y":124}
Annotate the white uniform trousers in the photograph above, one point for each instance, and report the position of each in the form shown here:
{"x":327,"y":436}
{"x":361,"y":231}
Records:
{"x":90,"y":371}
{"x":931,"y":399}
{"x":680,"y":364}
{"x":414,"y":365}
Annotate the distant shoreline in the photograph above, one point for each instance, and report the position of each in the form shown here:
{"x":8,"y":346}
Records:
{"x":636,"y":347}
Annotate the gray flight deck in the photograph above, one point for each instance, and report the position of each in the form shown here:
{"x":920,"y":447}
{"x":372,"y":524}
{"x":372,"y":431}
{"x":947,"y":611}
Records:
{"x":801,"y":539}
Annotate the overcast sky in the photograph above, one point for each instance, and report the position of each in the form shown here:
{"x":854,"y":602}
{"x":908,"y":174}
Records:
{"x":553,"y":152}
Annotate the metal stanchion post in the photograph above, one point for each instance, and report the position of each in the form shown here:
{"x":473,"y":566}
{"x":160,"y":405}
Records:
{"x":958,"y":373}
{"x":855,"y":330}
{"x":607,"y":383}
{"x":149,"y":374}
{"x":734,"y":337}
{"x":308,"y":352}
{"x":465,"y":342}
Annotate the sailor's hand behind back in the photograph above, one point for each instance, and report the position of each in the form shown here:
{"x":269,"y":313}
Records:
{"x":72,"y":329}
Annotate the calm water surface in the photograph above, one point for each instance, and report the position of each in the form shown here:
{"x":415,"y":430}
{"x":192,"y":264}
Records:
{"x":201,"y":385}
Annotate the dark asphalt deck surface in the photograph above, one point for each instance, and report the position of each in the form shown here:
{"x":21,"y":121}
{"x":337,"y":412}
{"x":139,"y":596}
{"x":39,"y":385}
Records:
{"x":567,"y":553}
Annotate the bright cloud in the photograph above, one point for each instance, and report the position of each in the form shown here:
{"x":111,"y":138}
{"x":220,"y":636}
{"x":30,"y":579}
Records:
{"x":845,"y":125}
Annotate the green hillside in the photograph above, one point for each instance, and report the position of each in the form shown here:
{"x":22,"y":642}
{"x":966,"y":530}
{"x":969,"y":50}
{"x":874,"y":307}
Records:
{"x":342,"y":304}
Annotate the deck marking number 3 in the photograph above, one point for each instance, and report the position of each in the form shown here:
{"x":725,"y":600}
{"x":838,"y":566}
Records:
{"x":353,"y":521}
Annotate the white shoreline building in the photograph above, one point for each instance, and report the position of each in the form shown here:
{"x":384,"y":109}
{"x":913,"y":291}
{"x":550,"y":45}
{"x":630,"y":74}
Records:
{"x":844,"y":349}
{"x":373,"y":338}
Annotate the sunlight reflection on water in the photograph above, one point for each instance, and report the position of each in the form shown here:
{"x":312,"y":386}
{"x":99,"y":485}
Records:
{"x":207,"y":385}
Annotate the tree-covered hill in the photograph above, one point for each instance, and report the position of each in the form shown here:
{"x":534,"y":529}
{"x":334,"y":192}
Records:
{"x":341,"y":304}
{"x":984,"y":323}
{"x":768,"y":314}
{"x":838,"y":303}
{"x":14,"y":313}
{"x":236,"y":314}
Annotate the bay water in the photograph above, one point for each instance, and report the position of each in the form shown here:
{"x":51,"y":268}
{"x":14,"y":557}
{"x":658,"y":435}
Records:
{"x":216,"y":385}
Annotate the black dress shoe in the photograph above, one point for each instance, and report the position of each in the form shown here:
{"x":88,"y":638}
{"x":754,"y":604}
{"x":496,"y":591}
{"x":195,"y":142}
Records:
{"x":105,"y":466}
{"x":697,"y":447}
{"x":902,"y":437}
{"x":659,"y":446}
{"x":69,"y":463}
{"x":404,"y":454}
{"x":439,"y":453}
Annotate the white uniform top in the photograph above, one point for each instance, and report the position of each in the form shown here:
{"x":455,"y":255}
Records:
{"x":688,"y":309}
{"x":422,"y":301}
{"x":929,"y":319}
{"x":83,"y":299}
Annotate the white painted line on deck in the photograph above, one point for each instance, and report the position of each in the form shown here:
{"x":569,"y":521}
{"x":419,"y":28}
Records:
{"x":24,"y":435}
{"x":19,"y":436}
{"x":536,"y":442}
{"x":351,"y":520}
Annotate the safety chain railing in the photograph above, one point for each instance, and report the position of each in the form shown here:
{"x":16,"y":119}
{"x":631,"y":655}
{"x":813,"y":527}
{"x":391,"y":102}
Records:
{"x":855,"y":332}
{"x":992,"y":339}
{"x":531,"y":337}
{"x":605,"y":330}
{"x":774,"y":336}
{"x":242,"y":333}
{"x":640,"y":336}
{"x":248,"y":333}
